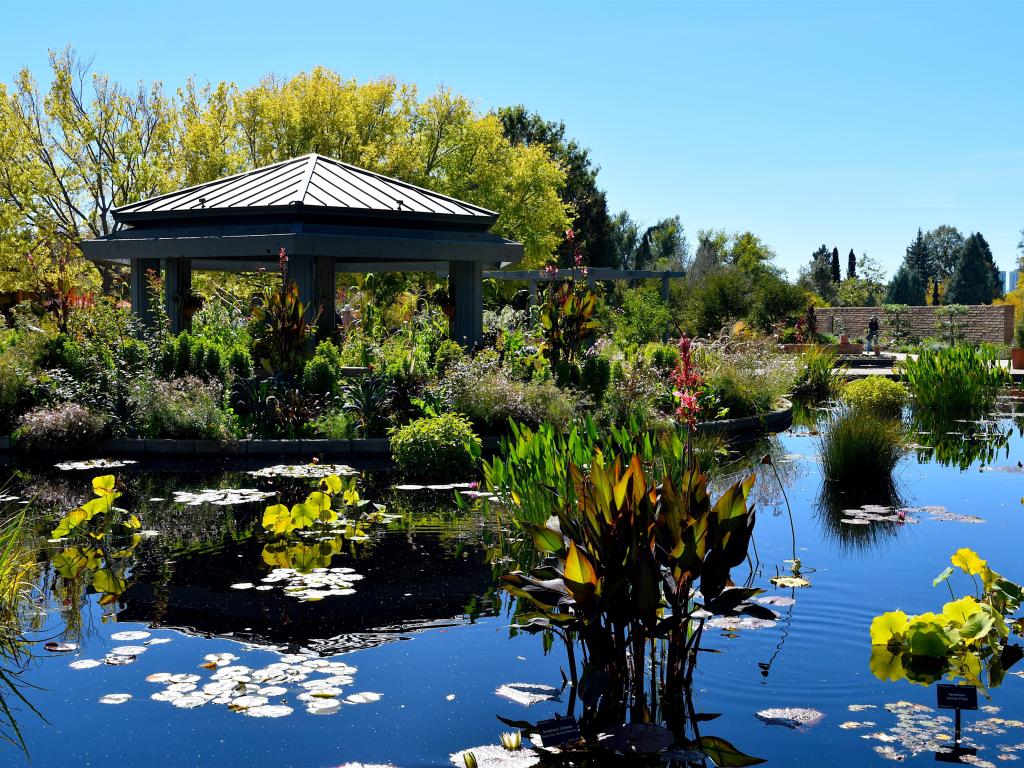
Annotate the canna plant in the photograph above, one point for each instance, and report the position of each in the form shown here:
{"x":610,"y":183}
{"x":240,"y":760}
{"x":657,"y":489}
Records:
{"x":969,"y":637}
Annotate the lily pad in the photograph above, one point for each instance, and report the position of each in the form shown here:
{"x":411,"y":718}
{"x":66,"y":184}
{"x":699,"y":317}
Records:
{"x":85,"y":664}
{"x":129,"y":635}
{"x":791,"y":717}
{"x":493,"y":756}
{"x":115,"y":698}
{"x":527,"y":693}
{"x":305,"y":470}
{"x":55,"y":647}
{"x":94,"y":464}
{"x":789,"y":581}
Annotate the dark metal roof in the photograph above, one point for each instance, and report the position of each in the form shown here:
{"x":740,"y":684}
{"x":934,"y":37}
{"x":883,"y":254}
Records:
{"x":311,"y":184}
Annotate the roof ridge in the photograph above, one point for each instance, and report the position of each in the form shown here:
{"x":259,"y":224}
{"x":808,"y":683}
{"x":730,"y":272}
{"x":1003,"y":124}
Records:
{"x":392,"y":179}
{"x":307,"y":175}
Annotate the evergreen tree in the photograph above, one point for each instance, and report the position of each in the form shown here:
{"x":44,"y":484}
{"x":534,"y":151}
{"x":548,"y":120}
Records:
{"x":906,"y":287}
{"x":817,"y":277}
{"x":919,"y":256}
{"x":851,"y":265}
{"x":986,"y":252}
{"x":836,"y":274}
{"x":972,"y":281}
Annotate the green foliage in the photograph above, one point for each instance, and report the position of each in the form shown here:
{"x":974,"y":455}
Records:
{"x":184,"y":408}
{"x":859,"y":451}
{"x":595,"y":376}
{"x":817,"y":376}
{"x":976,"y":277}
{"x":959,"y":380}
{"x":322,"y":373}
{"x":721,"y":297}
{"x":896,"y":321}
{"x":368,"y":398}
{"x":1018,"y":333}
{"x":776,"y":300}
{"x":663,"y":357}
{"x":645,"y":316}
{"x":337,"y":424}
{"x":449,"y":352}
{"x":968,"y":637}
{"x":906,"y":287}
{"x":876,"y":394}
{"x":436,"y":448}
{"x":951,"y":322}
{"x":188,"y":355}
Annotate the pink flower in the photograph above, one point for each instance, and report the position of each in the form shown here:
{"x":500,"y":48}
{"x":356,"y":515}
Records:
{"x":570,"y":235}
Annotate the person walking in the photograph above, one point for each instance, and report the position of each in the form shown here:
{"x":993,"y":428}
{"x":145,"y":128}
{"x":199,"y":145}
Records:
{"x":872,"y":335}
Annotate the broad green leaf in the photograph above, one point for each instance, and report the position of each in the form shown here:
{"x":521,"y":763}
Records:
{"x":927,"y":638}
{"x":319,"y":501}
{"x":277,"y":519}
{"x":545,"y":539}
{"x":888,"y":628}
{"x":133,"y":522}
{"x":73,"y":519}
{"x":968,"y":561}
{"x":959,"y":611}
{"x":977,"y":627}
{"x":331,"y":484}
{"x":107,"y":582}
{"x":303,"y":515}
{"x":350,"y":497}
{"x":723,"y":754}
{"x":578,"y":568}
{"x":104,"y":485}
{"x":886,"y":665}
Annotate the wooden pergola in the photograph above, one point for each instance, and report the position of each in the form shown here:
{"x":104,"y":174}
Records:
{"x":329,"y":217}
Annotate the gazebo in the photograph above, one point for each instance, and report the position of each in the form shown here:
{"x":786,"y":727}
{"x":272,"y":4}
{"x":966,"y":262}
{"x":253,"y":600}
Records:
{"x":329,"y":217}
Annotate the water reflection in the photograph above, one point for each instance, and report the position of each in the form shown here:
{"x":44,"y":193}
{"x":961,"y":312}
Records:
{"x":959,"y":442}
{"x":834,"y":505}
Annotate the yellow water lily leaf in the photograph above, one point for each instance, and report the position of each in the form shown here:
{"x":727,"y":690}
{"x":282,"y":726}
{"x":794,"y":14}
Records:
{"x":103,"y":485}
{"x":789,"y":581}
{"x":890,"y":625}
{"x":959,"y":611}
{"x":886,"y":665}
{"x":968,"y":561}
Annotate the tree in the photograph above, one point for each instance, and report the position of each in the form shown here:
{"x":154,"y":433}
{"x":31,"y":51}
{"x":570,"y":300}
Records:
{"x":918,"y":257}
{"x":851,"y":265}
{"x":751,"y":254}
{"x":592,"y":224}
{"x":817,"y":277}
{"x":906,"y":287}
{"x":944,"y":245}
{"x":662,"y":246}
{"x":972,"y":281}
{"x":712,"y":247}
{"x":986,"y":253}
{"x":837,"y":275}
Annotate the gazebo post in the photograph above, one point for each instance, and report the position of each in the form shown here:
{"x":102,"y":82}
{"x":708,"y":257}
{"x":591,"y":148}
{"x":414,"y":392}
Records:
{"x":177,"y":288}
{"x":140,"y":289}
{"x":465,"y":287}
{"x":315,"y":278}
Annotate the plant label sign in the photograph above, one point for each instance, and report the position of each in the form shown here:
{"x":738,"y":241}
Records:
{"x":957,"y":696}
{"x":561,"y":730}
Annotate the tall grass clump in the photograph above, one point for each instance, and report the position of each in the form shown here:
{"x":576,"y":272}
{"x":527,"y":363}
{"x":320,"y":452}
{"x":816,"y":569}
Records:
{"x":818,"y":376}
{"x":954,"y":381}
{"x":859,"y":450}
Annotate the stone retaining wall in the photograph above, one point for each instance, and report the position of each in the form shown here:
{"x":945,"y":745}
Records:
{"x":981,"y":323}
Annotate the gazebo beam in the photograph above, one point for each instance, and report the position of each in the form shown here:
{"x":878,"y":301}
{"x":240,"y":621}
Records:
{"x":465,"y":287}
{"x":177,"y":288}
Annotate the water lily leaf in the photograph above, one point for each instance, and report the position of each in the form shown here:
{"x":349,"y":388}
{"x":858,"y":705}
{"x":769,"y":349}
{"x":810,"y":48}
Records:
{"x":303,"y":515}
{"x":977,"y":626}
{"x":108,"y":582}
{"x":789,"y":581}
{"x":331,"y":484}
{"x":959,"y":611}
{"x":104,"y":485}
{"x":927,"y":639}
{"x":968,"y":561}
{"x":115,"y":698}
{"x":723,"y":754}
{"x":886,"y":665}
{"x":70,"y":522}
{"x":277,"y":519}
{"x":55,"y":647}
{"x":888,"y":627}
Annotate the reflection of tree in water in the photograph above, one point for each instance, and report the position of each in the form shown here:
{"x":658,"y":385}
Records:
{"x":745,"y":459}
{"x":960,"y":442}
{"x":832,"y":508}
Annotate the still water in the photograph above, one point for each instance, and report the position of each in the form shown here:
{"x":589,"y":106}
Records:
{"x":422,"y":644}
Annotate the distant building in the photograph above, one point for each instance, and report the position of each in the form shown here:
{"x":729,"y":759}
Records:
{"x":1011,"y":279}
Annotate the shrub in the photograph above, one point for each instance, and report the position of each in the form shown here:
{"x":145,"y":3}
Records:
{"x":448,"y":353}
{"x":776,"y":300}
{"x":436,"y":448}
{"x":595,"y":376}
{"x":722,"y":297}
{"x":185,"y":408}
{"x":876,"y":393}
{"x":959,"y":380}
{"x":67,"y":423}
{"x":322,"y":373}
{"x":645,"y":316}
{"x":664,"y":357}
{"x":859,"y":450}
{"x":336,"y":425}
{"x":186,"y":355}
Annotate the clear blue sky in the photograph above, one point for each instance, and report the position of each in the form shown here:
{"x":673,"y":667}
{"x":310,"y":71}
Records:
{"x":851,"y":124}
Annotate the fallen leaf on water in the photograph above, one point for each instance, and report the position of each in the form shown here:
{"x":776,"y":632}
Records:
{"x":791,"y":717}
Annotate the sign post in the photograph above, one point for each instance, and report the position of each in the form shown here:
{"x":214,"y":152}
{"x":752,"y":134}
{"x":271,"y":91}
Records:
{"x":956,"y":697}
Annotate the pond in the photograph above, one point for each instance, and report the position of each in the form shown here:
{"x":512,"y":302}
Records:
{"x":392,"y":646}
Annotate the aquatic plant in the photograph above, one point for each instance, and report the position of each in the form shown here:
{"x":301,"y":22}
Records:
{"x":98,"y":518}
{"x":859,"y":451}
{"x":959,"y":380}
{"x":970,"y":635}
{"x":876,"y":393}
{"x":568,"y":319}
{"x":316,"y":509}
{"x":436,"y":448}
{"x":818,"y":375}
{"x":280,"y":328}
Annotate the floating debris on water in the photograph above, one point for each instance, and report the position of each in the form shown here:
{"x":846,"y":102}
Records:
{"x":789,"y":581}
{"x":222,"y":497}
{"x":791,"y":717}
{"x":875,"y":513}
{"x":527,"y":693}
{"x":738,"y":622}
{"x":94,"y":464}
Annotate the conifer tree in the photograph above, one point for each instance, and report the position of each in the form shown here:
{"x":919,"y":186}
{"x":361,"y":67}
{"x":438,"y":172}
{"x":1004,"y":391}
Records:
{"x":851,"y":265}
{"x":837,"y":275}
{"x":972,"y":281}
